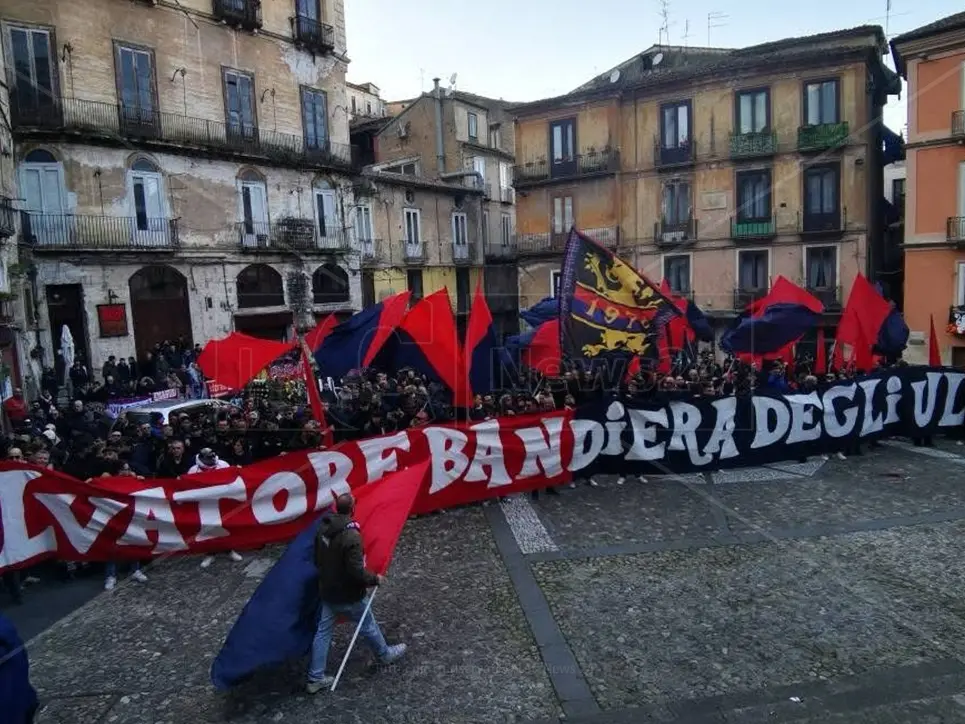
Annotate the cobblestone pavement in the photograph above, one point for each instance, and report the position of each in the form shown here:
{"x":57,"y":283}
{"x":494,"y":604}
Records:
{"x":825,"y":592}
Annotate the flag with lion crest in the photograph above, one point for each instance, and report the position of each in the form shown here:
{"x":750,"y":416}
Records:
{"x":607,"y":309}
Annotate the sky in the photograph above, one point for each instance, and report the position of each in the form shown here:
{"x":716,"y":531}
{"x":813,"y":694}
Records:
{"x":521,"y":50}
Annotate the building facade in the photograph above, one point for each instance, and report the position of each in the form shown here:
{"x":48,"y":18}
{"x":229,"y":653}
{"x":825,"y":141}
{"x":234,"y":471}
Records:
{"x":716,"y":170}
{"x":932,"y":61}
{"x":364,"y":101}
{"x":183,"y":169}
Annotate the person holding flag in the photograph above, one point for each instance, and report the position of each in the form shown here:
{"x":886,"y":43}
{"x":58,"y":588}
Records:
{"x":342,"y":583}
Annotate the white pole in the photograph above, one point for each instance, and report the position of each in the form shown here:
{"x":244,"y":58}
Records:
{"x":351,"y":644}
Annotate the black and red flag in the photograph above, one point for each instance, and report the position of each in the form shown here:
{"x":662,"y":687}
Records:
{"x":608,"y":310}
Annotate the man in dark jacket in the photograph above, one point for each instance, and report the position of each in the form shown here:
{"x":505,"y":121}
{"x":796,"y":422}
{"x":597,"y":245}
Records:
{"x":342,"y":583}
{"x":18,"y":696}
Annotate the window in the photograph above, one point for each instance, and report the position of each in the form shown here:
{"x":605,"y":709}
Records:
{"x":354,"y":110}
{"x":676,"y":203}
{"x":462,"y":291}
{"x":368,"y":108}
{"x":821,"y":267}
{"x":494,"y":135}
{"x":135,"y":83}
{"x":326,"y":213}
{"x":408,"y":169}
{"x":330,"y":285}
{"x":147,"y":197}
{"x":754,"y":195}
{"x":898,"y":191}
{"x":821,"y":103}
{"x":253,"y":200}
{"x":960,"y":301}
{"x":473,"y":127}
{"x":562,"y":141}
{"x":752,"y":269}
{"x":239,"y":101}
{"x":821,"y":195}
{"x":479,"y":166}
{"x":505,"y":175}
{"x":753,"y":111}
{"x":315,"y":118}
{"x":308,"y":9}
{"x":675,"y":125}
{"x":259,"y":285}
{"x":562,"y":214}
{"x":555,"y":276}
{"x":413,"y":282}
{"x":676,"y":271}
{"x":363,"y":223}
{"x":35,"y":70}
{"x":413,"y":231}
{"x":459,"y":235}
{"x":485,"y":228}
{"x":506,"y":229}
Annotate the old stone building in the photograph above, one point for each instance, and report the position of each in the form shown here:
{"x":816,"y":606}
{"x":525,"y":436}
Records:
{"x":715,"y":169}
{"x":364,"y":101}
{"x":184,"y":168}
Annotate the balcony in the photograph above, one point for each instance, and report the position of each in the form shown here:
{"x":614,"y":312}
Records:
{"x":414,"y":253}
{"x":753,"y":230}
{"x":955,"y":229}
{"x":463,"y":254}
{"x":745,"y":295}
{"x":117,"y":123}
{"x":372,"y":253}
{"x":538,"y":244}
{"x":753,"y":145}
{"x":822,"y":224}
{"x":824,"y":137}
{"x":589,"y":163}
{"x":8,"y":311}
{"x":958,"y":124}
{"x":75,"y":232}
{"x":501,"y":252}
{"x":289,"y":234}
{"x":7,"y":218}
{"x":679,"y":156}
{"x":675,"y":233}
{"x":239,"y":13}
{"x":313,"y":35}
{"x":507,"y":195}
{"x":830,"y":297}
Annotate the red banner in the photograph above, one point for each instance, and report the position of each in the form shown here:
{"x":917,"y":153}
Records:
{"x":48,"y":514}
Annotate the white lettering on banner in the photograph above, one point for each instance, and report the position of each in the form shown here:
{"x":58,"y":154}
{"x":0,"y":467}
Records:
{"x":644,"y":423}
{"x":380,"y":454}
{"x":721,"y":442}
{"x":923,"y":405}
{"x":893,"y":386}
{"x":803,"y":426}
{"x":583,"y":456}
{"x":332,"y":469}
{"x":489,"y":454}
{"x":543,"y":452}
{"x":152,"y":511}
{"x":832,"y":423}
{"x":614,"y":429}
{"x":263,"y":505}
{"x":950,"y":418}
{"x":209,"y":506}
{"x":18,"y":544}
{"x":449,"y":461}
{"x":686,"y":422}
{"x":764,"y":434}
{"x":870,"y":424}
{"x":81,"y":537}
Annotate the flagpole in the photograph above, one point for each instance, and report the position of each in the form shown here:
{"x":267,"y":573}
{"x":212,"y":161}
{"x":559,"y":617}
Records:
{"x":351,"y":644}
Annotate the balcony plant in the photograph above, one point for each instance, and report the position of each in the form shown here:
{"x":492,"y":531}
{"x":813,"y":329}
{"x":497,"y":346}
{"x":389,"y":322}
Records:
{"x":294,"y":232}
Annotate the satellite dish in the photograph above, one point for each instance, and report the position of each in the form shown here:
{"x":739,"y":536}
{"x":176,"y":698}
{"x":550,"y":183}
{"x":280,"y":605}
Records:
{"x":615,"y":76}
{"x":452,"y":79}
{"x":657,"y":58}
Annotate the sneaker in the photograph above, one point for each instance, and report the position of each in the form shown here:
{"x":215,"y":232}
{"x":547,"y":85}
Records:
{"x":592,"y":483}
{"x":313,"y":687}
{"x":139,"y":576}
{"x":109,"y":583}
{"x":842,"y":456}
{"x":621,"y":480}
{"x":573,"y":484}
{"x":235,"y":556}
{"x":208,"y":560}
{"x":643,"y":480}
{"x":393,"y":654}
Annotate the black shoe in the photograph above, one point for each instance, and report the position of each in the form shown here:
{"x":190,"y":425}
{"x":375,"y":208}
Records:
{"x":553,"y":491}
{"x":534,"y":495}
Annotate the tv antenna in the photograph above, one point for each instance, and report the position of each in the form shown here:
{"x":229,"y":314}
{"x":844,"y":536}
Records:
{"x":686,"y":35}
{"x":664,"y":33}
{"x":452,"y":85}
{"x":715,"y":20}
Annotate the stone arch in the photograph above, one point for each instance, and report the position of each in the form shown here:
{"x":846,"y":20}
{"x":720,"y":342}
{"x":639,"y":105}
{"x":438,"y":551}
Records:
{"x":160,"y":308}
{"x":260,"y":285}
{"x":251,"y":175}
{"x":330,"y":284}
{"x":40,"y":155}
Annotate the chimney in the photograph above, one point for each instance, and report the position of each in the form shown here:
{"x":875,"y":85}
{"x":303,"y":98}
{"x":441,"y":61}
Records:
{"x":440,"y":143}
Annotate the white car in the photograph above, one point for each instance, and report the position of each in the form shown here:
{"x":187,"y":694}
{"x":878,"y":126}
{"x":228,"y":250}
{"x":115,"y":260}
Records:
{"x":170,"y":409}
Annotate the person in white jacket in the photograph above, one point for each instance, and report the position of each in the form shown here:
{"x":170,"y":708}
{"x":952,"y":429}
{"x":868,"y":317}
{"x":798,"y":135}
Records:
{"x":206,"y":460}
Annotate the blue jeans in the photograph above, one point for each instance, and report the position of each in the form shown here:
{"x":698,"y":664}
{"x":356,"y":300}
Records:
{"x":327,"y":614}
{"x":110,"y":569}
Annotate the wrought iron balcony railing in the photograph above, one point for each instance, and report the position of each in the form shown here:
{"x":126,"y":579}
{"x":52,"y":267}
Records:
{"x":753,"y":145}
{"x":314,"y":35}
{"x":98,"y":233}
{"x":588,"y":163}
{"x":8,"y":311}
{"x":242,"y":13}
{"x":119,"y":121}
{"x":745,"y":295}
{"x":8,"y":214}
{"x":822,"y":224}
{"x":830,"y":297}
{"x":506,"y":194}
{"x":958,"y":124}
{"x":955,"y":231}
{"x":674,"y":233}
{"x":414,"y":253}
{"x":497,"y":251}
{"x":555,"y":242}
{"x":372,"y":253}
{"x":680,"y":155}
{"x":753,"y":230}
{"x":823,"y":137}
{"x":290,"y":234}
{"x":464,"y":253}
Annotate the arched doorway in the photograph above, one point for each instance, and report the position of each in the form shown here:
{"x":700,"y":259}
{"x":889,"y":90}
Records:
{"x":260,"y":286}
{"x":159,"y":307}
{"x":330,"y":285}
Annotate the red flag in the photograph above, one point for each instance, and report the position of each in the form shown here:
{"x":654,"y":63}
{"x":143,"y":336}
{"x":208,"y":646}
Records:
{"x":934,"y":353}
{"x":381,"y":509}
{"x":820,"y":355}
{"x":863,"y":315}
{"x":314,"y":398}
{"x":480,"y":320}
{"x":543,"y":352}
{"x":432,"y":326}
{"x":861,"y":354}
{"x":237,"y":359}
{"x":314,"y":338}
{"x":393,"y":311}
{"x":785,"y":292}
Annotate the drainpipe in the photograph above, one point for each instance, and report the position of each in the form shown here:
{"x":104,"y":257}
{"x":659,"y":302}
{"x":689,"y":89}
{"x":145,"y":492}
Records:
{"x":440,"y":144}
